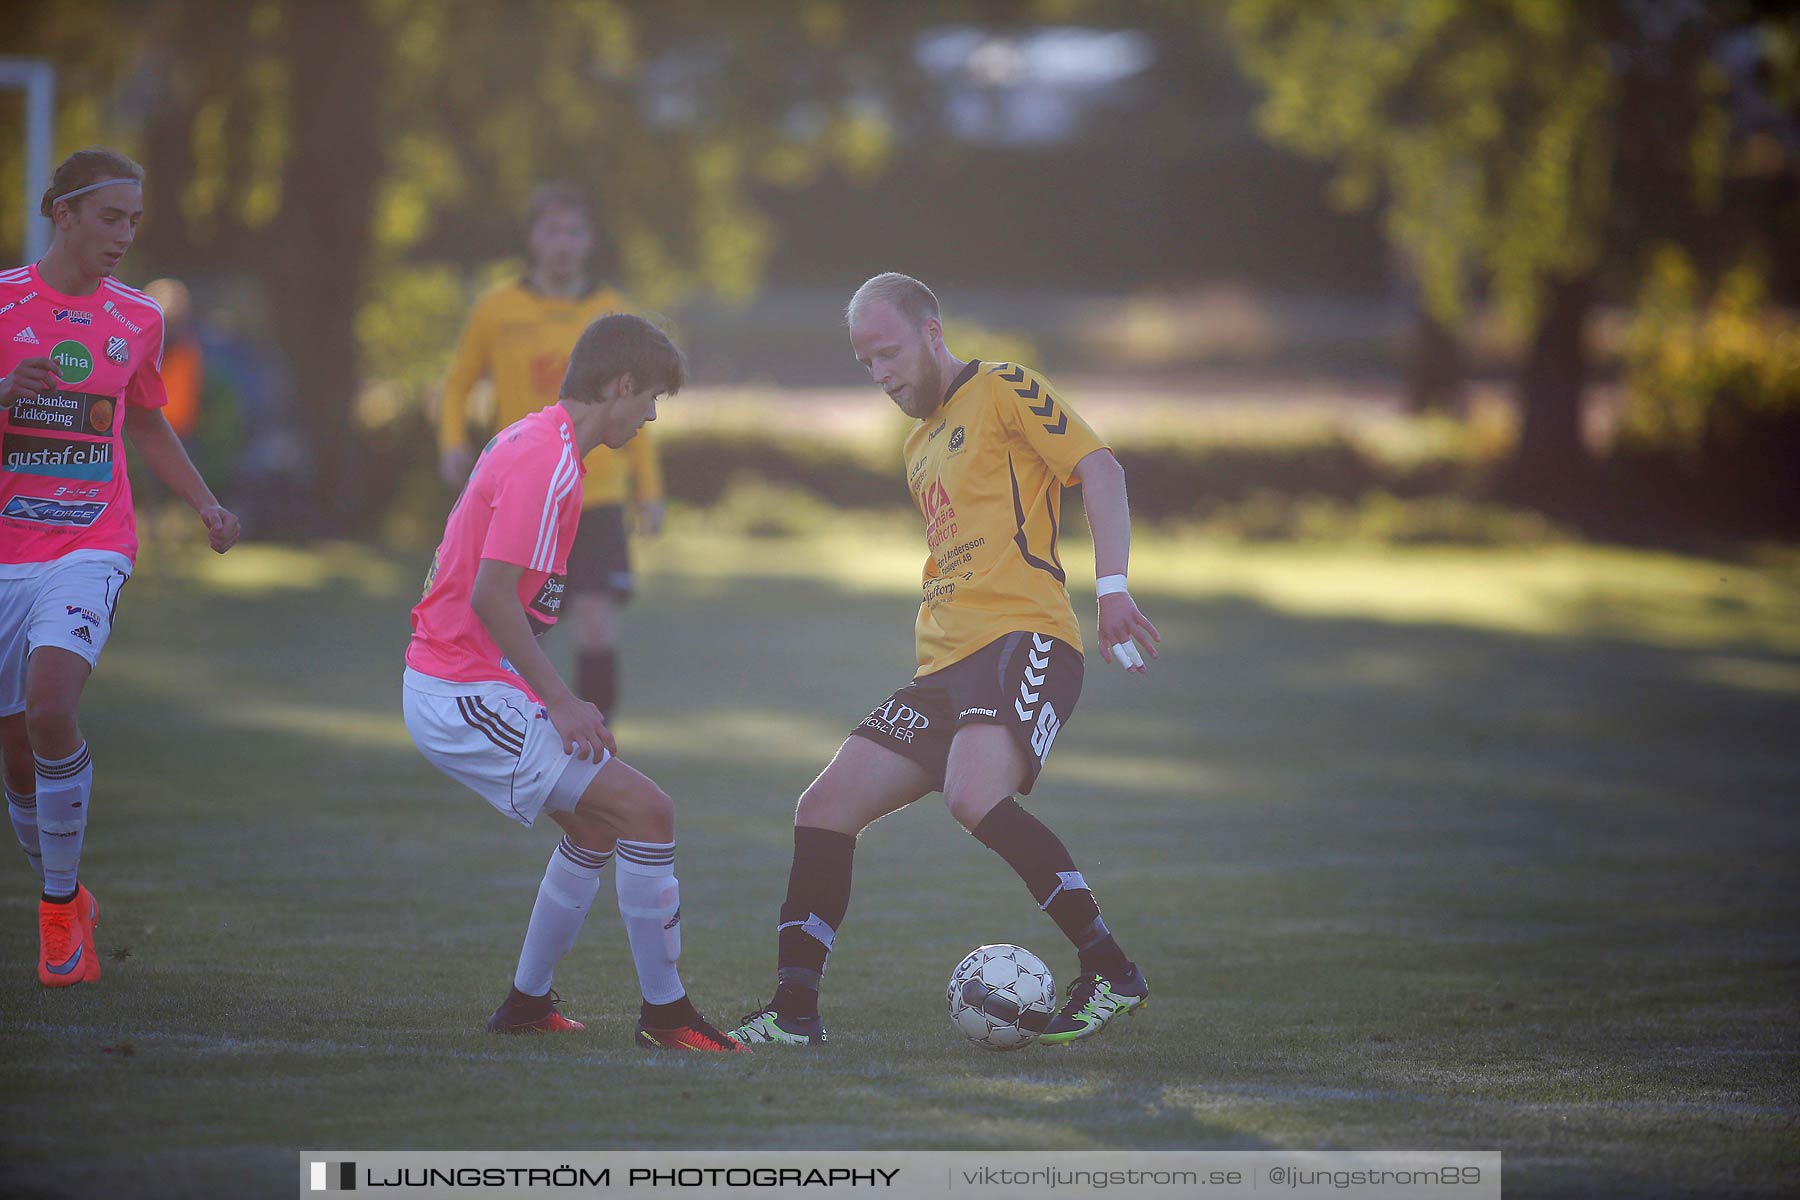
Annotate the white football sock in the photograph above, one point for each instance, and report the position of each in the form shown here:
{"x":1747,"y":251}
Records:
{"x":23,"y":811}
{"x":650,"y":904}
{"x":64,"y":787}
{"x":571,"y":881}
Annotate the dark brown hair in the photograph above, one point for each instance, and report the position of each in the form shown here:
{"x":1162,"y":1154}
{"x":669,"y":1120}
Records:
{"x":623,"y":344}
{"x":547,"y":196}
{"x":86,"y":167}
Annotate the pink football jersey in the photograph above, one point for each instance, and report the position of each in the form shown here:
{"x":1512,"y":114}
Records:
{"x":521,"y":505}
{"x":62,"y":456}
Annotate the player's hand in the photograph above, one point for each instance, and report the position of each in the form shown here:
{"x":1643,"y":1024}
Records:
{"x":454,"y":467}
{"x":221,"y":527}
{"x":1120,"y":624}
{"x":650,"y":517}
{"x":582,"y":728}
{"x":29,"y":378}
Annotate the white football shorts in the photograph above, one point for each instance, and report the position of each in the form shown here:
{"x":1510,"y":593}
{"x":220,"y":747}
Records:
{"x":67,"y":602}
{"x":497,"y":741}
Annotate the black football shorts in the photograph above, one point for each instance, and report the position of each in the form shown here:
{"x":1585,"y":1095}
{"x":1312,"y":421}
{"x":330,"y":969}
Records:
{"x":1024,"y":681}
{"x":600,"y":559}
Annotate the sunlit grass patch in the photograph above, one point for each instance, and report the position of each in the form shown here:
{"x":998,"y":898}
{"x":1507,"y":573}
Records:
{"x":1555,"y":589}
{"x":259,"y":569}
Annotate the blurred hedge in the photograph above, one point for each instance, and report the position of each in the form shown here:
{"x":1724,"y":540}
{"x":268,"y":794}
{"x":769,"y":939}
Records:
{"x":1710,"y":434}
{"x":1166,"y":481}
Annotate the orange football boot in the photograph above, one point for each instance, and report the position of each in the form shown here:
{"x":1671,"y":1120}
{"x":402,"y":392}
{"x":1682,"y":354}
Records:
{"x":63,"y":955}
{"x":531,"y":1014}
{"x":697,"y":1035}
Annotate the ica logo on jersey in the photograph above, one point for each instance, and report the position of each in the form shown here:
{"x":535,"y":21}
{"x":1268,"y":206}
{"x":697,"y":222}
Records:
{"x":940,"y":514}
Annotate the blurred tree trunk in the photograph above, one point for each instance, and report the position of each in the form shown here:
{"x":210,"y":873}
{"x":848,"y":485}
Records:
{"x":1550,"y":467}
{"x":166,"y":165}
{"x":320,"y":246}
{"x":1434,"y":377}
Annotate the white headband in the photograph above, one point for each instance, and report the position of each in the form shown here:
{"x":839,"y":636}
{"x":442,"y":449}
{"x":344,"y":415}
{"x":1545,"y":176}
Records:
{"x":82,"y":191}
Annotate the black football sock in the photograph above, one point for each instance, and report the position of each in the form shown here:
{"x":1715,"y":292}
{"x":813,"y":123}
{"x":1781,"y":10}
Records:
{"x":676,"y":1014}
{"x":818,"y":896}
{"x":1105,"y":958}
{"x":597,"y":679}
{"x":522,"y":1006}
{"x":1043,"y":862}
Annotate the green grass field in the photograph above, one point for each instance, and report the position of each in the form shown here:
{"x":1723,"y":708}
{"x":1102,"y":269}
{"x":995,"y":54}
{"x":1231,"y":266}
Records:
{"x":1421,"y":849}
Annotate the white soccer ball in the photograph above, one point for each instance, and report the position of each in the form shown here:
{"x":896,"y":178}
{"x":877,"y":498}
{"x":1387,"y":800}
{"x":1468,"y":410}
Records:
{"x":1000,"y":996}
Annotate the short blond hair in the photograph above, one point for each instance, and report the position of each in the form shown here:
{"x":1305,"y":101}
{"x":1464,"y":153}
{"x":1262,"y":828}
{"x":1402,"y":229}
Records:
{"x":910,"y":298}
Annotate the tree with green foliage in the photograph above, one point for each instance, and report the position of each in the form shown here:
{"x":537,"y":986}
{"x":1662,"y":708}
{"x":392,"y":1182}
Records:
{"x":344,"y":153}
{"x":1528,"y":149}
{"x":364,"y":145}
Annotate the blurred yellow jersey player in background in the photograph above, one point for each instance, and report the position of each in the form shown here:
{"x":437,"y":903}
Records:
{"x":518,"y":338}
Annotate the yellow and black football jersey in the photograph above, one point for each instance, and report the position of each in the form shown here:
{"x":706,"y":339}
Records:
{"x":987,"y":471}
{"x":520,"y":339}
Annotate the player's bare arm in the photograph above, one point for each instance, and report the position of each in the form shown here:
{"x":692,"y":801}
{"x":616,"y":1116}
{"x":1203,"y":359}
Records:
{"x":649,"y":517}
{"x":454,"y":465}
{"x":154,"y":441}
{"x":30,"y":377}
{"x":495,"y":599}
{"x":456,"y":458}
{"x":1109,"y":517}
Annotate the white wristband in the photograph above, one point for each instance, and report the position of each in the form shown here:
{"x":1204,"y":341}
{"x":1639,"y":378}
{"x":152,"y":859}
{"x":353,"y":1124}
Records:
{"x":1108,"y":585}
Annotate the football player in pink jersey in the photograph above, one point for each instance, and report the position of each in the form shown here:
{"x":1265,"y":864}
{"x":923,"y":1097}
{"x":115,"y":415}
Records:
{"x":82,"y":355}
{"x":485,"y":706}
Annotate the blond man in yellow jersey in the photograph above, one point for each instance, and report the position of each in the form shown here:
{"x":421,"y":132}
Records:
{"x":999,"y":655}
{"x":519,"y":337}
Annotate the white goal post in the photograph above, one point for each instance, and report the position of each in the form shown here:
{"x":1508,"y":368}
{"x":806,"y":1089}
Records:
{"x":37,"y":79}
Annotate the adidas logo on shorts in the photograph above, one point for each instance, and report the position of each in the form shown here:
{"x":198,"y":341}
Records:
{"x":81,"y":631}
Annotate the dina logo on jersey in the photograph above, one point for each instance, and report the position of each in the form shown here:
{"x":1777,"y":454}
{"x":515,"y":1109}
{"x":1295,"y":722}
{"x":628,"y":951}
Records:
{"x":74,"y":361}
{"x":118,"y":350}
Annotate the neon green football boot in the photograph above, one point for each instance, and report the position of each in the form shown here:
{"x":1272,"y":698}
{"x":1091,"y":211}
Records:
{"x":1093,"y":1001}
{"x":767,"y":1027}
